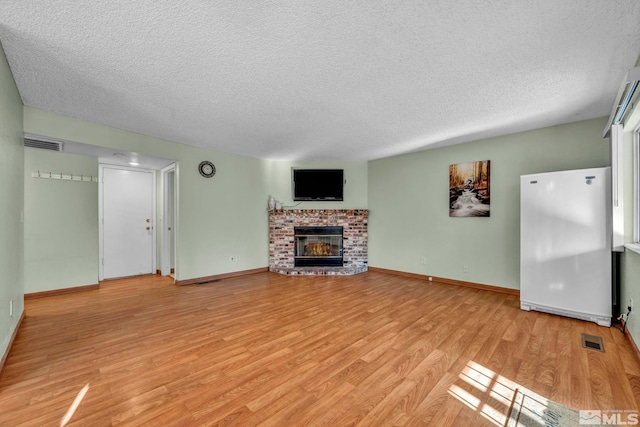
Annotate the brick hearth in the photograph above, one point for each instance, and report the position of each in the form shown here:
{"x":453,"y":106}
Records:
{"x":281,"y":239}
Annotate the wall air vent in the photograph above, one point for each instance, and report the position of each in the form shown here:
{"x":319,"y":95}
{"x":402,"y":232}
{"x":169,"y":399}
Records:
{"x":43,"y":145}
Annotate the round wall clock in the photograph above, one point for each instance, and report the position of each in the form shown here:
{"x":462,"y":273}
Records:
{"x":207,"y":169}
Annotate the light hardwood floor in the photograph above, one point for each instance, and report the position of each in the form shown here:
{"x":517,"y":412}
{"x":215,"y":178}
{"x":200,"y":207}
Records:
{"x":266,"y":349}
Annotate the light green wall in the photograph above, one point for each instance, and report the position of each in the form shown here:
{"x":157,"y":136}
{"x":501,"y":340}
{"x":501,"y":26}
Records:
{"x":408,"y":202}
{"x":630,"y":261}
{"x":355,"y":189}
{"x":60,"y":222}
{"x":217,"y":217}
{"x":12,"y":196}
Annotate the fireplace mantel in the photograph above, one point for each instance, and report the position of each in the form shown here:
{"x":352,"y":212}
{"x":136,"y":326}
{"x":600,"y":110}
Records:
{"x":281,"y":239}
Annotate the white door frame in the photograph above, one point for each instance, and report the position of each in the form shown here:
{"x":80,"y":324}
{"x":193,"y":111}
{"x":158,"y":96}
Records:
{"x":101,"y":168}
{"x":165,"y":256}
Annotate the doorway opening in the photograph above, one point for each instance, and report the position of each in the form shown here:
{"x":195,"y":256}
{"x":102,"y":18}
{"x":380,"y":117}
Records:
{"x":134,"y":239}
{"x":169,"y":211}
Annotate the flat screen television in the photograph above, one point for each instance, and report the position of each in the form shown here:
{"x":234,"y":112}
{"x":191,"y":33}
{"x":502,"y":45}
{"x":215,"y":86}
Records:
{"x":318,"y":184}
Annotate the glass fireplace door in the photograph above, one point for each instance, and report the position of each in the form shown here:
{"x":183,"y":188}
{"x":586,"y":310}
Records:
{"x":318,"y":246}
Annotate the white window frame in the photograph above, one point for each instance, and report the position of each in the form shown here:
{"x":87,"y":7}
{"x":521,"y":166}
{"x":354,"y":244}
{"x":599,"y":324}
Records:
{"x":635,"y":245}
{"x":636,"y":186}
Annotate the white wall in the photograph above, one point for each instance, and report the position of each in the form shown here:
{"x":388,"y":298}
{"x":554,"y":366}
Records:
{"x":12,"y":197}
{"x":409,"y":212}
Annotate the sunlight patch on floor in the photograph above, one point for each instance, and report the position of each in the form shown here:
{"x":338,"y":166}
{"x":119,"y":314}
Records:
{"x":464,"y":396}
{"x":491,"y":394}
{"x":74,"y":405}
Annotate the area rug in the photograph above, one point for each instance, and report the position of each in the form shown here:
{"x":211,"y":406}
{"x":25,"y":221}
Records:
{"x":531,"y":410}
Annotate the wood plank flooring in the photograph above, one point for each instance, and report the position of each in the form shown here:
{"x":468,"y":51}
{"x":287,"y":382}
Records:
{"x":271,"y":350}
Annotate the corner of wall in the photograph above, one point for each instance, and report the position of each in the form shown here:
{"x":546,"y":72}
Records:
{"x":11,"y":208}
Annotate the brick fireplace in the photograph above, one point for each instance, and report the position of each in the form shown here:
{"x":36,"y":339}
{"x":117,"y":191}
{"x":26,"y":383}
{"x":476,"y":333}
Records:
{"x":282,"y":239}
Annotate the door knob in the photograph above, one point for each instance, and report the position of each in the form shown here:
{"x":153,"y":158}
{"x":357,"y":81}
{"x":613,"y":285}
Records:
{"x":148,"y":220}
{"x":148,"y":228}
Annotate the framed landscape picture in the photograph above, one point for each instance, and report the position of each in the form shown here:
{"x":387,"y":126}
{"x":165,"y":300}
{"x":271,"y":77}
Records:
{"x":469,"y":189}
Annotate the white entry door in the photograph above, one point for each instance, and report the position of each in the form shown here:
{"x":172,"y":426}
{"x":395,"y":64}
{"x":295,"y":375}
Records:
{"x":127,"y":207}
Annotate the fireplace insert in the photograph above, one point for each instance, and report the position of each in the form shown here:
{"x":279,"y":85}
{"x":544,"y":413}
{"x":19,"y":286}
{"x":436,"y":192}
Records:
{"x":318,"y":246}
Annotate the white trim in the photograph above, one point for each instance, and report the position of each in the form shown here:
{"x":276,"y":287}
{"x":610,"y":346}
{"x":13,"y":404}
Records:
{"x":636,"y":185}
{"x":100,"y":223}
{"x":599,"y":318}
{"x":633,"y":247}
{"x":632,"y":75}
{"x":176,"y":222}
{"x":617,"y":188}
{"x":101,"y":168}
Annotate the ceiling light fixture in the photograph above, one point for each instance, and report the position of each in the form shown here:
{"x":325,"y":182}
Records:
{"x":625,"y":95}
{"x":134,"y":163}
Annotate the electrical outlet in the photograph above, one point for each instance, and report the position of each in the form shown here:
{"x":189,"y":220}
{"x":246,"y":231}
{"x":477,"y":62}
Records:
{"x":465,"y":268}
{"x":430,"y":279}
{"x":423,"y":260}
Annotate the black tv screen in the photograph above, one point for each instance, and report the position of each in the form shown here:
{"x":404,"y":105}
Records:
{"x":318,"y":184}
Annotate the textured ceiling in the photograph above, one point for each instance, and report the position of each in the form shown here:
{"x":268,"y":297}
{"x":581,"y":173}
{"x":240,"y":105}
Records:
{"x":321,"y":80}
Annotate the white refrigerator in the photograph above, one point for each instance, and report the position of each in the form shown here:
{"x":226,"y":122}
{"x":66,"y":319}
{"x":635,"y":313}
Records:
{"x":565,"y":244}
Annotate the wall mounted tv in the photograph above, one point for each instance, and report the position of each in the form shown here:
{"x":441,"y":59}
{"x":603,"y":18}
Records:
{"x":318,"y":184}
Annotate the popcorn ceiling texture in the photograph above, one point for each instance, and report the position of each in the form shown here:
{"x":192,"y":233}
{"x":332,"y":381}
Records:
{"x":331,"y":79}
